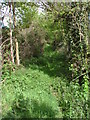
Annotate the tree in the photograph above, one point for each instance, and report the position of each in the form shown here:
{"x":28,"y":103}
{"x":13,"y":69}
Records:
{"x":0,"y":56}
{"x":72,"y":21}
{"x":11,"y":41}
{"x":16,"y":42}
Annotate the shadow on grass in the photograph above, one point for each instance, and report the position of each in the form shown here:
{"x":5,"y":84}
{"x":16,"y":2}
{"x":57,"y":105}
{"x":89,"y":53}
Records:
{"x":54,"y":64}
{"x":26,"y":108}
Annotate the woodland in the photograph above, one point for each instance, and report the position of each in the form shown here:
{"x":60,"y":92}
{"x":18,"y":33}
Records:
{"x":45,"y":60}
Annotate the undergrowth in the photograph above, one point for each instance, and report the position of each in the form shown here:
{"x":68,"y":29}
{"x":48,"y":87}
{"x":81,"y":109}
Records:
{"x":42,"y":89}
{"x":27,"y":94}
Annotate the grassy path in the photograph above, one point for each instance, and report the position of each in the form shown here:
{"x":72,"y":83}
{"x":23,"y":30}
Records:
{"x":28,"y":92}
{"x":41,"y":89}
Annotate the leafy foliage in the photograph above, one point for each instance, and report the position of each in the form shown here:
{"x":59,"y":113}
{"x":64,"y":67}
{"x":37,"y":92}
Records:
{"x":32,"y":39}
{"x":25,"y":97}
{"x":37,"y":91}
{"x":53,"y":78}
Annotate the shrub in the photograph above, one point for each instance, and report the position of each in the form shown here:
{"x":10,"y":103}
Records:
{"x":72,"y":98}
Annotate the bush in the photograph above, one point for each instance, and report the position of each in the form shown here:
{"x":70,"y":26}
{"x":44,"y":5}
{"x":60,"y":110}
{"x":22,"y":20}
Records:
{"x":72,"y":99}
{"x":32,"y":41}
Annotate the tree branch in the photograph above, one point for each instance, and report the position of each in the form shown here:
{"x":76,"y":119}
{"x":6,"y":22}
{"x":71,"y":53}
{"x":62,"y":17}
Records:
{"x":5,"y":42}
{"x":80,"y":76}
{"x":2,"y":81}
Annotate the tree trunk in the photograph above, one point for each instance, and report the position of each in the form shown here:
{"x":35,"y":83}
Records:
{"x":16,"y":42}
{"x":11,"y":43}
{"x":86,"y":38}
{"x":0,"y":59}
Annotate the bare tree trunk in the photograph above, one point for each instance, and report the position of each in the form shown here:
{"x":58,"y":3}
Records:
{"x":0,"y":59}
{"x":0,"y":69}
{"x":11,"y":43}
{"x":16,"y":42}
{"x":0,"y":52}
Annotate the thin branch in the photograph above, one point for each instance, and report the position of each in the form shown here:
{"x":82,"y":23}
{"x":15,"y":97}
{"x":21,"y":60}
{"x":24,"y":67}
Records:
{"x":5,"y":42}
{"x":2,"y":81}
{"x":80,"y":76}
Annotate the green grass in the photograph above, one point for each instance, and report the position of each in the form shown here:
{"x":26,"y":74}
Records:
{"x":42,"y":89}
{"x":33,"y":86}
{"x":53,"y":63}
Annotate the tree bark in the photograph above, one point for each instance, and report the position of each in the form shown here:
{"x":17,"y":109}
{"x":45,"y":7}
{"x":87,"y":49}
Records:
{"x":11,"y":43}
{"x":16,"y":42}
{"x":0,"y":59}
